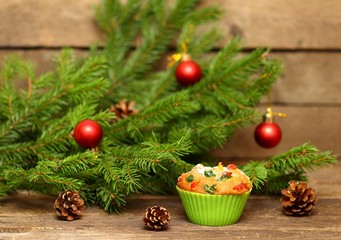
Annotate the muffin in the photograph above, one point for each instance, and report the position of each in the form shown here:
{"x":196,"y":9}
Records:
{"x":214,"y":196}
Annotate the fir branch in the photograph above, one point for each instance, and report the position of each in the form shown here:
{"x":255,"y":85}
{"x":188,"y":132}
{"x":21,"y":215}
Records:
{"x":12,"y":67}
{"x":56,"y":136}
{"x":121,"y":177}
{"x":157,"y":31}
{"x":181,"y":10}
{"x":209,"y":132}
{"x":109,"y":200}
{"x":177,"y":105}
{"x":276,"y":182}
{"x":77,"y":163}
{"x":224,"y":57}
{"x":152,"y":154}
{"x":42,"y":107}
{"x":106,"y":14}
{"x":163,"y":181}
{"x":4,"y":189}
{"x":44,"y":182}
{"x":131,"y":179}
{"x":154,"y":40}
{"x":17,"y":154}
{"x":273,"y":175}
{"x":37,"y":179}
{"x":121,"y":23}
{"x":204,"y":15}
{"x":257,"y":173}
{"x":111,"y":174}
{"x":242,"y":119}
{"x":54,"y":140}
{"x":260,"y":85}
{"x":236,"y":73}
{"x":233,"y":100}
{"x":227,"y":90}
{"x":202,"y":43}
{"x":303,"y":158}
{"x":13,"y":109}
{"x":161,"y":85}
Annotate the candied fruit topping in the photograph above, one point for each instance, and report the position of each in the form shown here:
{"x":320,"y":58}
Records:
{"x":190,"y":178}
{"x":231,"y":166}
{"x":225,"y":175}
{"x":220,"y":166}
{"x":210,"y":189}
{"x":194,"y":184}
{"x":209,"y":173}
{"x":241,"y":187}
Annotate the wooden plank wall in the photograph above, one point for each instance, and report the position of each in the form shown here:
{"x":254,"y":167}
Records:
{"x":305,"y":34}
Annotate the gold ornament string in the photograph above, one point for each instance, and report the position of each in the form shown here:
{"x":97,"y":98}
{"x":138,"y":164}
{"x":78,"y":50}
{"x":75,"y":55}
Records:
{"x":269,"y":113}
{"x":174,"y":58}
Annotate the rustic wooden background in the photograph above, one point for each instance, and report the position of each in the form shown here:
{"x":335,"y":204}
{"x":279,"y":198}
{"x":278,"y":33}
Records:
{"x":305,"y":34}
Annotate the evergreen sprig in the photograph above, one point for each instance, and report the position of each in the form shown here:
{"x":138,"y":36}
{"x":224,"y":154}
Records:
{"x":273,"y":174}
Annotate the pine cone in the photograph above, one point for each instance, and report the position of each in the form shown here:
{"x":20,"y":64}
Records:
{"x":123,"y":109}
{"x":156,"y":218}
{"x":298,"y":199}
{"x":69,"y":205}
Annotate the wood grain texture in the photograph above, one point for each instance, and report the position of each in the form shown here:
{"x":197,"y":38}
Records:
{"x":290,"y":24}
{"x":305,"y":34}
{"x":308,"y":78}
{"x":31,"y":216}
{"x":32,"y":23}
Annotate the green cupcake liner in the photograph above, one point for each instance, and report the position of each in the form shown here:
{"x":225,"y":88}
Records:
{"x":213,"y":210}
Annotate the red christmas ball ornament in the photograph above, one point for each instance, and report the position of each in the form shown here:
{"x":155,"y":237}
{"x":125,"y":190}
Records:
{"x":188,"y":72}
{"x":88,"y":134}
{"x":268,"y":134}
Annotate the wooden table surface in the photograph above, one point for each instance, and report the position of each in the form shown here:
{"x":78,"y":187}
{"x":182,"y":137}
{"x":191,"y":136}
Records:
{"x":31,"y":216}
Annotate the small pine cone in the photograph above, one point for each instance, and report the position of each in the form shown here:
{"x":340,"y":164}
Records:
{"x":298,"y":199}
{"x":123,"y":109}
{"x":156,"y":218}
{"x":69,"y":205}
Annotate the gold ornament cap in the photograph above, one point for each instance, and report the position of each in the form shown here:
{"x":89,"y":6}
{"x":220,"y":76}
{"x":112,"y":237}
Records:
{"x":269,"y":116}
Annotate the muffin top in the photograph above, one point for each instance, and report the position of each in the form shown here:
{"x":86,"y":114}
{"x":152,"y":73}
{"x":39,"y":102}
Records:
{"x":218,"y":180}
